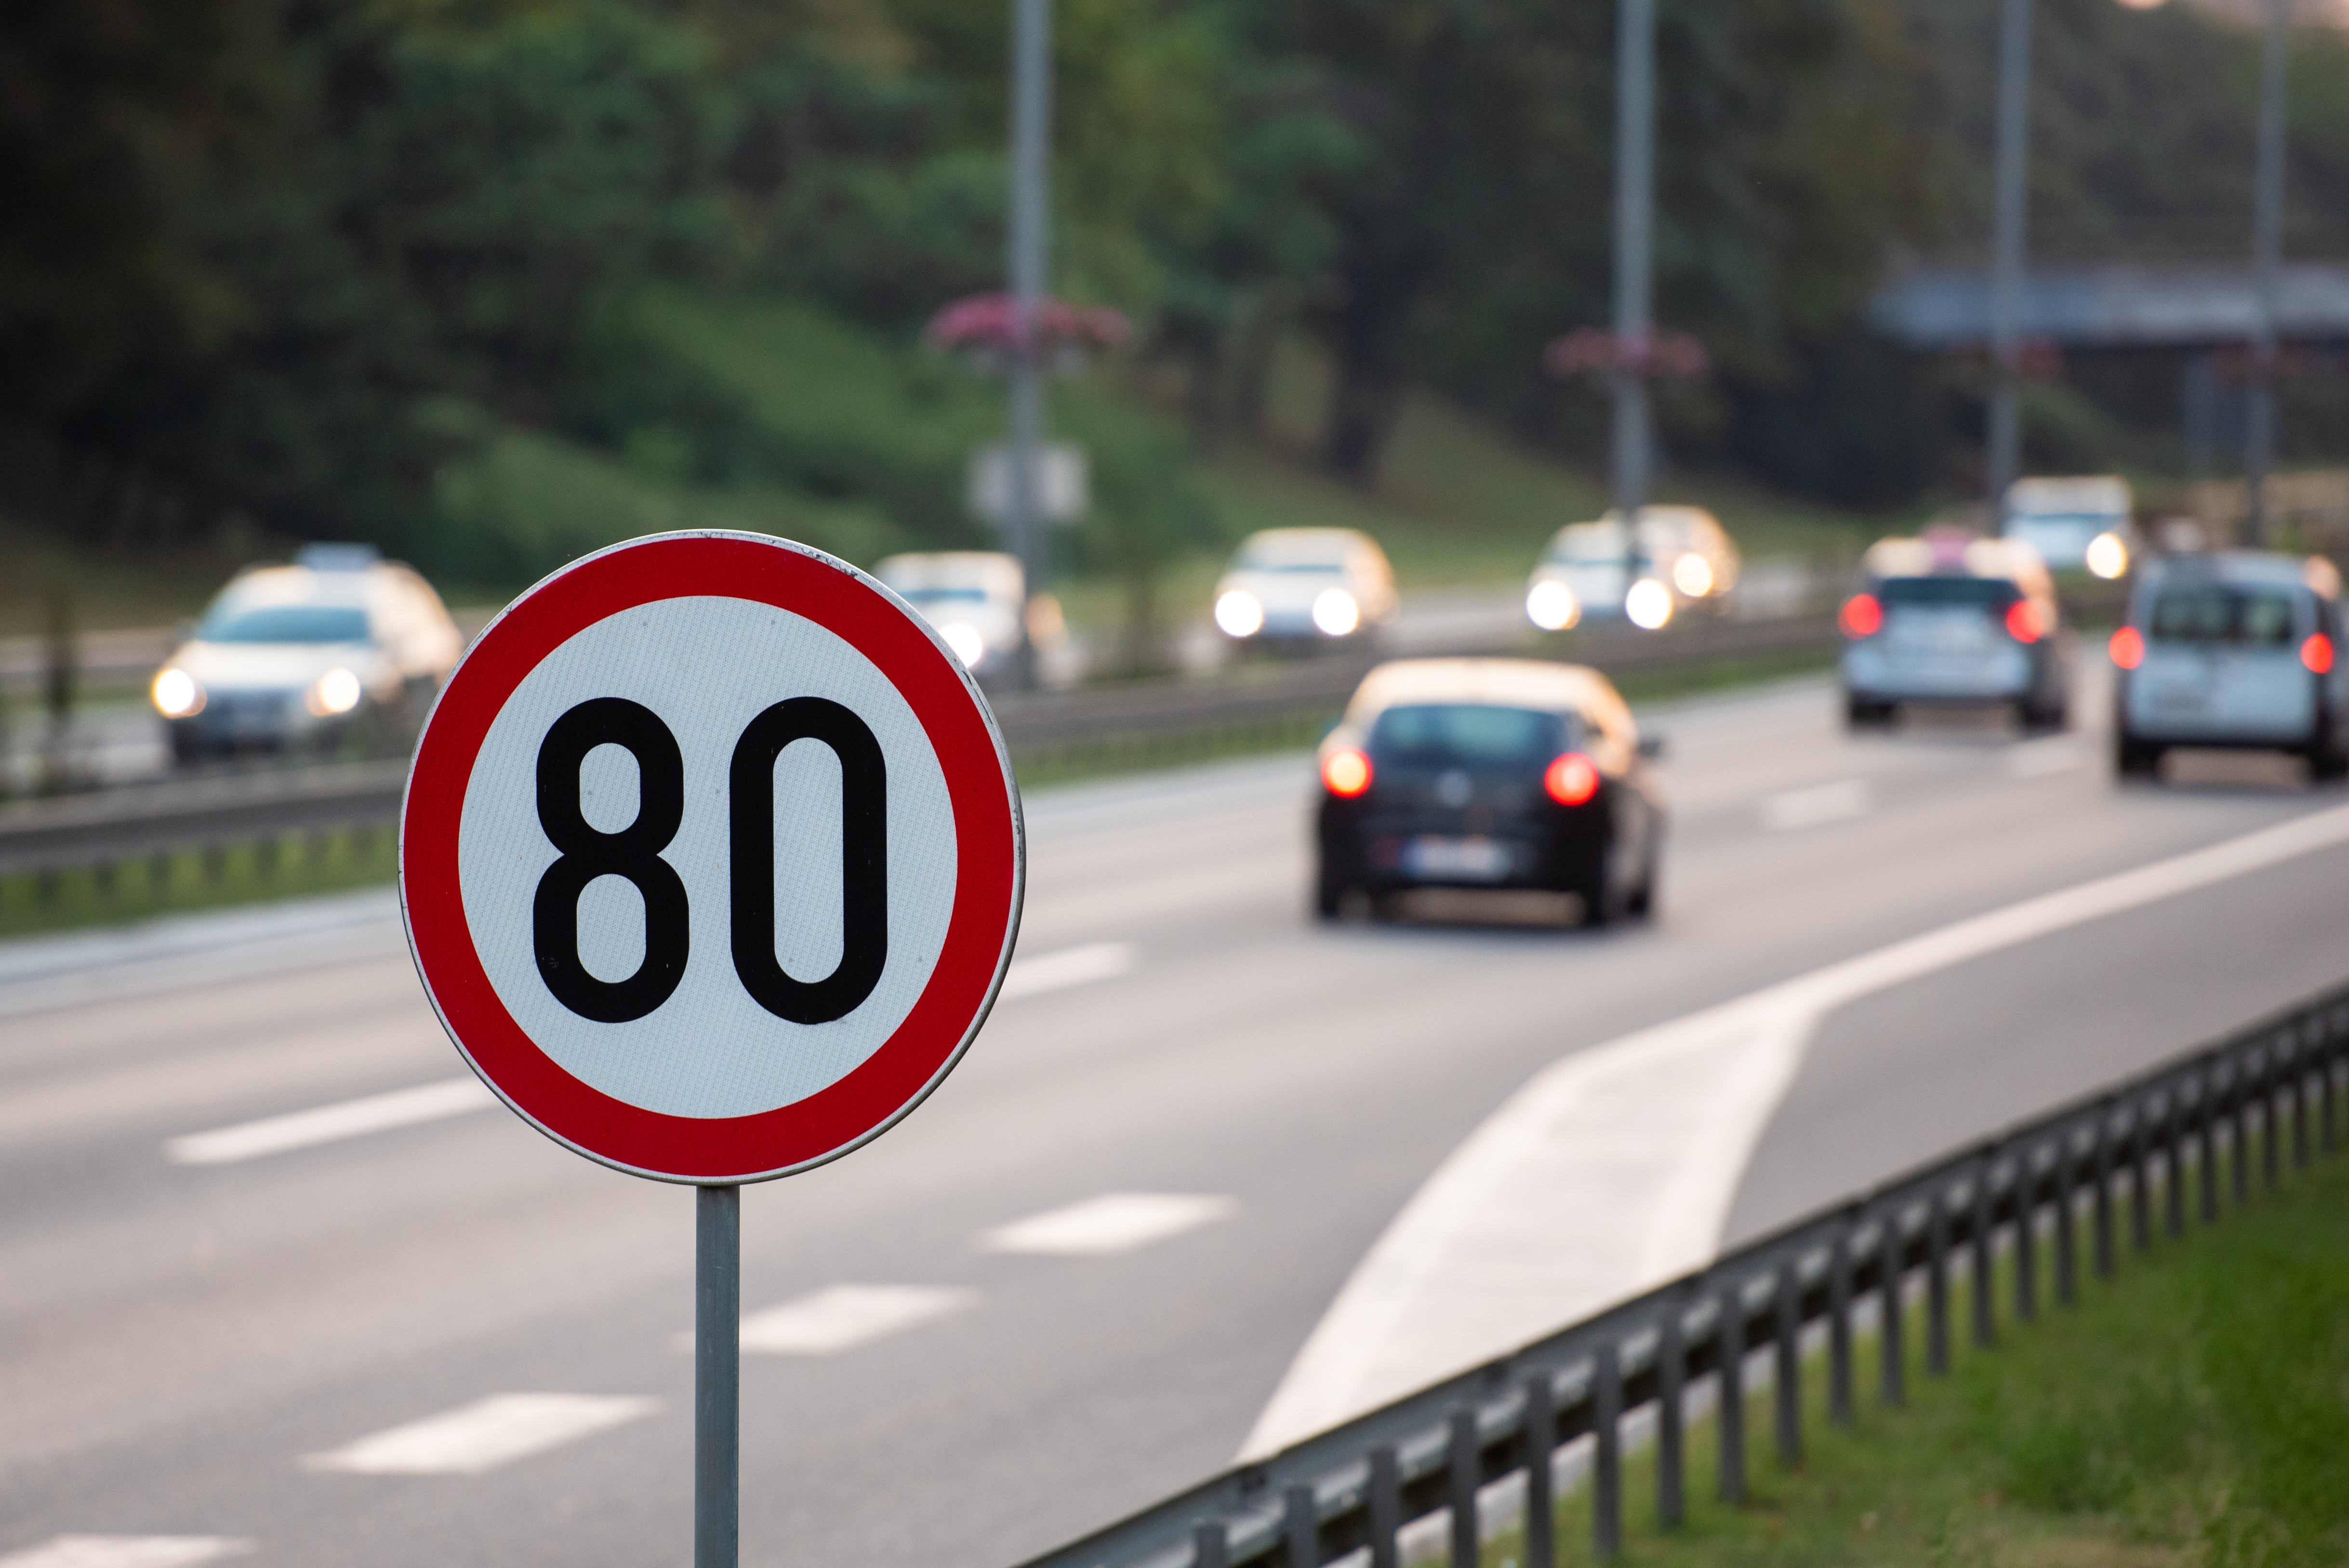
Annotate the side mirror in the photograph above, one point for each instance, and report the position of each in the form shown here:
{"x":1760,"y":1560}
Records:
{"x":1652,"y":746}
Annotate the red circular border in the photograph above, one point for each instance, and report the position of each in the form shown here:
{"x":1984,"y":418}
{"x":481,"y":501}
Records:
{"x":895,"y":1077}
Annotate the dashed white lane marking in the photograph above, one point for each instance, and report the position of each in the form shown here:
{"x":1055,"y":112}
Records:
{"x":328,"y":1124}
{"x":1114,"y":1222}
{"x":2044,"y":759}
{"x":841,"y":1317}
{"x":1069,"y":967}
{"x":126,"y":1551}
{"x":481,"y":1436}
{"x":1816,"y":806}
{"x":1614,"y":1170}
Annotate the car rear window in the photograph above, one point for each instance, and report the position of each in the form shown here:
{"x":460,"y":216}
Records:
{"x":1982,"y":593}
{"x":286,"y":623}
{"x":2212,"y":613}
{"x":1465,"y":732}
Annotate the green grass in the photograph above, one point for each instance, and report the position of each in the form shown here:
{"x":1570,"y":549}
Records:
{"x":2193,"y":1412}
{"x":186,"y":880}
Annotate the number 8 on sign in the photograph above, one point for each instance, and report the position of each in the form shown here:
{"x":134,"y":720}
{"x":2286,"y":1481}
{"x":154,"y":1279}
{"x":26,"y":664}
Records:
{"x":711,"y":858}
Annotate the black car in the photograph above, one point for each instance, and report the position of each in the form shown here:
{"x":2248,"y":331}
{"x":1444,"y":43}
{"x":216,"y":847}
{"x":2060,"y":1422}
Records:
{"x":1488,"y":774}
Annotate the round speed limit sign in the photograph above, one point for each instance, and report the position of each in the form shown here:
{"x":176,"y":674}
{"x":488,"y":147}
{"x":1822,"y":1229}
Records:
{"x":711,"y":859}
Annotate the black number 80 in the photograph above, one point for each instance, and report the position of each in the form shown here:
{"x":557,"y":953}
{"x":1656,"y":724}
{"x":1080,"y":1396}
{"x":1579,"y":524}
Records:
{"x":633,"y":854}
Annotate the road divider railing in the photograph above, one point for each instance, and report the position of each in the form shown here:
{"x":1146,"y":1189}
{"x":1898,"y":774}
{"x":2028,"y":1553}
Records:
{"x":2024,"y":1214}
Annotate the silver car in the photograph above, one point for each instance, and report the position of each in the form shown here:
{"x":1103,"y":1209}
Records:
{"x":1306,"y":587}
{"x":1953,"y":619}
{"x":340,"y":650}
{"x":2237,"y":650}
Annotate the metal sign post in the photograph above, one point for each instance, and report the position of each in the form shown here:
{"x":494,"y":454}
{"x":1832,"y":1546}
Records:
{"x":1635,"y":204}
{"x":790,"y":769}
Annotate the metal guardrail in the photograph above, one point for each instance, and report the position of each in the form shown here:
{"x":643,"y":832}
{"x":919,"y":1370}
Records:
{"x":42,"y":836}
{"x":2160,"y":1138}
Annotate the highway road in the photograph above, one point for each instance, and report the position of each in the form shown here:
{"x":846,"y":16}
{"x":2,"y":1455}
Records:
{"x":410,"y":1330}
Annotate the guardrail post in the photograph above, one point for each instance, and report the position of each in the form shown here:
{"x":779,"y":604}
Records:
{"x":2173,"y":1161}
{"x":2239,"y":1108}
{"x":1729,"y":1333}
{"x":1671,"y":1386}
{"x":2206,"y":1139}
{"x":2140,"y":1167}
{"x":1937,"y":1284}
{"x":1541,"y":1500}
{"x":1606,"y":1457}
{"x":2298,"y":1089}
{"x":1787,"y":1373}
{"x":1891,"y":1324}
{"x":2100,"y":1161}
{"x":1462,"y":1464}
{"x":1385,"y":1506}
{"x":2026,"y":1233}
{"x":1210,"y":1545}
{"x":2271,"y":1125}
{"x":2067,"y":1217}
{"x":1301,"y":1526}
{"x":1839,"y":1401}
{"x":1985,"y":1275}
{"x":2327,"y":1115}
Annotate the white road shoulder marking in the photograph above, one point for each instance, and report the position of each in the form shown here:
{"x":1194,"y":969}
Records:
{"x":1113,"y":1224}
{"x":126,"y":1551}
{"x":2044,"y":759}
{"x":330,"y":1124}
{"x":841,"y":1317}
{"x":1067,"y":968}
{"x":1818,"y":806}
{"x":480,"y":1437}
{"x":1613,"y":1170}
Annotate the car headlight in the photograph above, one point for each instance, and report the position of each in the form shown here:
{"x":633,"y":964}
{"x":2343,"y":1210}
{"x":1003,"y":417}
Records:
{"x":2107,"y":556}
{"x":1692,"y":575}
{"x":1238,"y":614}
{"x":969,"y":645}
{"x":1648,"y":605}
{"x":178,"y":694}
{"x":1335,"y":612}
{"x":335,"y":692}
{"x":1550,"y":605}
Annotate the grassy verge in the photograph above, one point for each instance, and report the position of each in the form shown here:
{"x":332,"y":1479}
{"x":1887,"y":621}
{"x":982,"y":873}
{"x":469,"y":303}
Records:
{"x":250,"y":873}
{"x":2196,"y":1411}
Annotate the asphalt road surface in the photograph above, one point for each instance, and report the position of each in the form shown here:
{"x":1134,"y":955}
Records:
{"x":410,"y":1330}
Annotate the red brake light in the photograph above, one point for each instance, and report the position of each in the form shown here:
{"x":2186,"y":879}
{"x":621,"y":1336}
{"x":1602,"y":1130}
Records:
{"x":2129,"y":648}
{"x":2317,"y":653}
{"x":2023,"y":621}
{"x":1346,"y":773}
{"x":1862,"y":615}
{"x":1571,"y":780}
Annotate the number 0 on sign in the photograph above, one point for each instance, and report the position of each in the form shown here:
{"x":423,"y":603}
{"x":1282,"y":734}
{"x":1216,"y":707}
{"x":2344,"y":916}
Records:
{"x":711,"y":858}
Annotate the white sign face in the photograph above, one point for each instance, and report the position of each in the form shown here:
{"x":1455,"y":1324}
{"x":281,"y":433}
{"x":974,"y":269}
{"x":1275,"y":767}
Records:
{"x":711,"y":858}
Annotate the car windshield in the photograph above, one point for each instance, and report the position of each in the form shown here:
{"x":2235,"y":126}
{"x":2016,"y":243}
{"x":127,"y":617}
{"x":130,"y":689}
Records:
{"x":284,"y":623}
{"x":1589,"y":549}
{"x":1978,"y":593}
{"x":1465,"y":732}
{"x":944,"y":596}
{"x":1274,"y":563}
{"x":2212,"y":613}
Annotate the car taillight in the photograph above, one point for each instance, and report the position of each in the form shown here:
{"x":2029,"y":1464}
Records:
{"x":1862,"y":615}
{"x":1346,"y":773}
{"x":2023,"y":621}
{"x":1571,"y":780}
{"x":2317,"y":653}
{"x":2127,"y":648}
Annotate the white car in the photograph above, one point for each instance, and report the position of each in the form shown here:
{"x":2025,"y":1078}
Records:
{"x":2074,"y":523}
{"x":1306,"y":586}
{"x":1952,"y":619}
{"x":2242,"y":651}
{"x":340,"y":647}
{"x":1685,"y":558}
{"x":978,"y":600}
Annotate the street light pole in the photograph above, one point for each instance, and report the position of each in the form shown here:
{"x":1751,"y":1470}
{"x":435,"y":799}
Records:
{"x":1031,"y":120}
{"x":1635,"y":204}
{"x":2267,"y":257}
{"x":2009,"y":212}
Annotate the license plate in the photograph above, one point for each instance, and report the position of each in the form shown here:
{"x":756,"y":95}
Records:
{"x":2180,"y":700}
{"x":1472,"y":859}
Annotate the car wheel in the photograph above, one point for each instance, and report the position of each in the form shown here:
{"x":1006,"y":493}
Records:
{"x":2136,"y":759}
{"x":1641,"y":904}
{"x":1860,"y":715}
{"x":2328,"y":758}
{"x":2040,"y":719}
{"x":1329,"y":895}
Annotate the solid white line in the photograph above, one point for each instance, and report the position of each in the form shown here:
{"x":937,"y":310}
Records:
{"x":1613,"y":1170}
{"x":1816,"y":806}
{"x":1114,"y":1222}
{"x":328,"y":1124}
{"x":482,"y":1436}
{"x":1069,"y":967}
{"x":126,"y":1551}
{"x":841,"y":1317}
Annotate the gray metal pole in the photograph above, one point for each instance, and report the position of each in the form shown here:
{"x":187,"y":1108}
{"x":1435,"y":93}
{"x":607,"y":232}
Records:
{"x":2009,"y":212}
{"x":1032,"y":195}
{"x":716,"y":1376}
{"x":2267,"y":257}
{"x":1635,"y":204}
